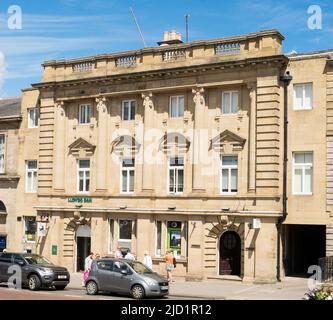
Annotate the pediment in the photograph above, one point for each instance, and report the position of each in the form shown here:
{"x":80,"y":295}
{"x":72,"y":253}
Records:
{"x":125,"y":144}
{"x":227,"y":138}
{"x":174,"y":142}
{"x":81,"y":147}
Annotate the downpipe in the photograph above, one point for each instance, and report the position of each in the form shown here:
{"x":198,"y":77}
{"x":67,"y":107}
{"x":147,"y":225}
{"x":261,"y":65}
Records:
{"x":285,"y":79}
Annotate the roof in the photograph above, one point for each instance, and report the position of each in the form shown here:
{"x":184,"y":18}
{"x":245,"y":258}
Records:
{"x":10,"y":108}
{"x":310,"y":55}
{"x":195,"y":43}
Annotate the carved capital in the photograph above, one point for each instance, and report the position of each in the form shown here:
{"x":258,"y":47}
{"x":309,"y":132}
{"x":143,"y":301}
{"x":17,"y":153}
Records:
{"x":60,"y":105}
{"x":148,"y":100}
{"x":101,"y":104}
{"x":199,"y":98}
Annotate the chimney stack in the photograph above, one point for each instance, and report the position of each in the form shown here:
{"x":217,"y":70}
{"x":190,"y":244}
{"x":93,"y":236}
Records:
{"x":170,"y":37}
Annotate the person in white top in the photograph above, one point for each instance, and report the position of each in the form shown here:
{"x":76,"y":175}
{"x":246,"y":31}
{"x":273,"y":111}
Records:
{"x":147,"y":260}
{"x":88,"y":261}
{"x":129,"y":256}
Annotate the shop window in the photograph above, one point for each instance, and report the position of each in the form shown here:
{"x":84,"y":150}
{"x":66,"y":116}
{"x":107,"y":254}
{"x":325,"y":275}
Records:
{"x":30,"y":228}
{"x":174,"y":236}
{"x":158,"y":251}
{"x":125,"y":233}
{"x":111,"y":234}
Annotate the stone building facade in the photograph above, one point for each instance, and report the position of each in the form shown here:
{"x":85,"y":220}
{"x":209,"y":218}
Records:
{"x":177,"y":146}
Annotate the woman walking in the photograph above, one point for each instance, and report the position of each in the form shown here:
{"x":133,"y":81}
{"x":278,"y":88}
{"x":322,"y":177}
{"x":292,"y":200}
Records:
{"x":169,"y":266}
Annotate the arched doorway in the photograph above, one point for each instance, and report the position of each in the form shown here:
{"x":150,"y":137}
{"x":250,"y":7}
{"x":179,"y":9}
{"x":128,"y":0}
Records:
{"x":230,"y":254}
{"x":83,"y":245}
{"x":3,"y":234}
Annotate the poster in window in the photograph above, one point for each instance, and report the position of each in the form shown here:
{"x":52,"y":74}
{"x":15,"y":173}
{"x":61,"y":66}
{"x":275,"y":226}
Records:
{"x":175,"y":238}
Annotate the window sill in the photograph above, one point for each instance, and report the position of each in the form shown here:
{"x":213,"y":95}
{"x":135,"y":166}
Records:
{"x":302,"y":194}
{"x":303,"y":109}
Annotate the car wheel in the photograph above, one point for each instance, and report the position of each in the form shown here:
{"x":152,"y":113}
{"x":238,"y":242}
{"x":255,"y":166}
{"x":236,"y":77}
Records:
{"x":60,"y":287}
{"x":34,"y":283}
{"x":91,"y":288}
{"x":137,"y":292}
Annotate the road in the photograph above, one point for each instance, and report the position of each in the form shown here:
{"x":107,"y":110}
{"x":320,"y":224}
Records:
{"x":67,"y":294}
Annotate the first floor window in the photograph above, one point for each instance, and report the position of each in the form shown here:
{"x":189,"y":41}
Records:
{"x":83,"y":175}
{"x":2,"y":153}
{"x":127,"y":175}
{"x":85,"y":114}
{"x":229,"y":174}
{"x":230,"y":102}
{"x":176,"y":106}
{"x":30,"y":228}
{"x":128,"y":109}
{"x":31,"y":176}
{"x":303,"y":96}
{"x":302,"y":172}
{"x":176,"y":174}
{"x":125,"y":233}
{"x":33,"y":118}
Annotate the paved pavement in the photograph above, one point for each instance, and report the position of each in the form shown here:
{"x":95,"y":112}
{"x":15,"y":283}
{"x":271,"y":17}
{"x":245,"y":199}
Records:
{"x":289,"y":289}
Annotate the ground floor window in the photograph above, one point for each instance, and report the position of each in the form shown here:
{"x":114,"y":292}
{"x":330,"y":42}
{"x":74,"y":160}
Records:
{"x":174,"y":236}
{"x":30,"y":228}
{"x":111,"y":235}
{"x":126,"y":231}
{"x":158,"y":252}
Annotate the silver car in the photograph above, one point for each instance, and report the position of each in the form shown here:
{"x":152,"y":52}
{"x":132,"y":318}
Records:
{"x":125,"y":277}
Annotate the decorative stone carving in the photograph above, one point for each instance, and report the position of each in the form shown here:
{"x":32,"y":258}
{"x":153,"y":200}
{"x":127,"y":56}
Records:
{"x":227,"y":141}
{"x":148,"y":100}
{"x":81,"y":148}
{"x":101,"y":104}
{"x":199,"y":98}
{"x":60,"y":106}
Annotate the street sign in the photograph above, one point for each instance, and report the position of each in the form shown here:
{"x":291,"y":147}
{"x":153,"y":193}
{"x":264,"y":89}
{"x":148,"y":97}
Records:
{"x":54,"y":250}
{"x":80,"y":200}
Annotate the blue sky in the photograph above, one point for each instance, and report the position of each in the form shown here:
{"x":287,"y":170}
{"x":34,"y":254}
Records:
{"x":58,"y":29}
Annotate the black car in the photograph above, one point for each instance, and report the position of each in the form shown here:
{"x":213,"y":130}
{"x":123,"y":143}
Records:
{"x":37,"y":271}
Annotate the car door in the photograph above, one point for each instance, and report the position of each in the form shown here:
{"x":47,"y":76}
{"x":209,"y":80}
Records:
{"x":5,"y":263}
{"x":104,"y":274}
{"x":121,"y":282}
{"x":20,"y":262}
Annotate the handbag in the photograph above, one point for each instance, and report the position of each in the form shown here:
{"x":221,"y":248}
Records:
{"x":85,"y":275}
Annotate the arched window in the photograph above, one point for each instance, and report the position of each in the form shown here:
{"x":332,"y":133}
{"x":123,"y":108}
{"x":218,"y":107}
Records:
{"x":2,"y":207}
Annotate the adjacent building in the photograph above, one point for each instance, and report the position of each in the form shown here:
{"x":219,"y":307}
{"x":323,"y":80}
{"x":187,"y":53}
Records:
{"x":179,"y":146}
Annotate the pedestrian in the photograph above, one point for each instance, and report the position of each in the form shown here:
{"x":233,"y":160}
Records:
{"x":129,"y":255}
{"x":118,"y":254}
{"x":147,"y":260}
{"x":97,"y":256}
{"x":87,"y":266}
{"x":4,"y":250}
{"x":169,"y":264}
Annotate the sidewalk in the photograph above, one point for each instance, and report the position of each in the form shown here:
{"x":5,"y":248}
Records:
{"x":290,"y":289}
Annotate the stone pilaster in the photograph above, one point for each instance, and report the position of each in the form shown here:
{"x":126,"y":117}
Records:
{"x":199,"y":125}
{"x":148,"y":167}
{"x":252,"y":139}
{"x":60,"y":147}
{"x":329,"y":240}
{"x":102,"y":145}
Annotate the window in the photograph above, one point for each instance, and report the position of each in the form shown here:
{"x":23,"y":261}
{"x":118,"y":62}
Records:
{"x":111,"y":234}
{"x":229,"y":174}
{"x":2,"y":153}
{"x":158,"y":238}
{"x":31,"y":176}
{"x":302,"y":172}
{"x":30,"y":228}
{"x":230,"y":102}
{"x":174,"y":236}
{"x":303,"y":96}
{"x":106,"y":265}
{"x":128,"y":109}
{"x":176,"y":175}
{"x":125,"y":233}
{"x":83,"y":175}
{"x":176,"y":106}
{"x":33,"y":118}
{"x":84,"y":113}
{"x":127,"y":175}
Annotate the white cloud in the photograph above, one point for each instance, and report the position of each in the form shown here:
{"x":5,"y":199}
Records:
{"x":2,"y":71}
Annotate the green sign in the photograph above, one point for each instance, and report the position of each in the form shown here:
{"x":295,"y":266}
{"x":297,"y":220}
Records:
{"x":54,"y":250}
{"x":80,"y":199}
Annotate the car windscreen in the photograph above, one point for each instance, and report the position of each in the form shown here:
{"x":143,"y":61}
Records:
{"x":140,"y":268}
{"x":35,"y":259}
